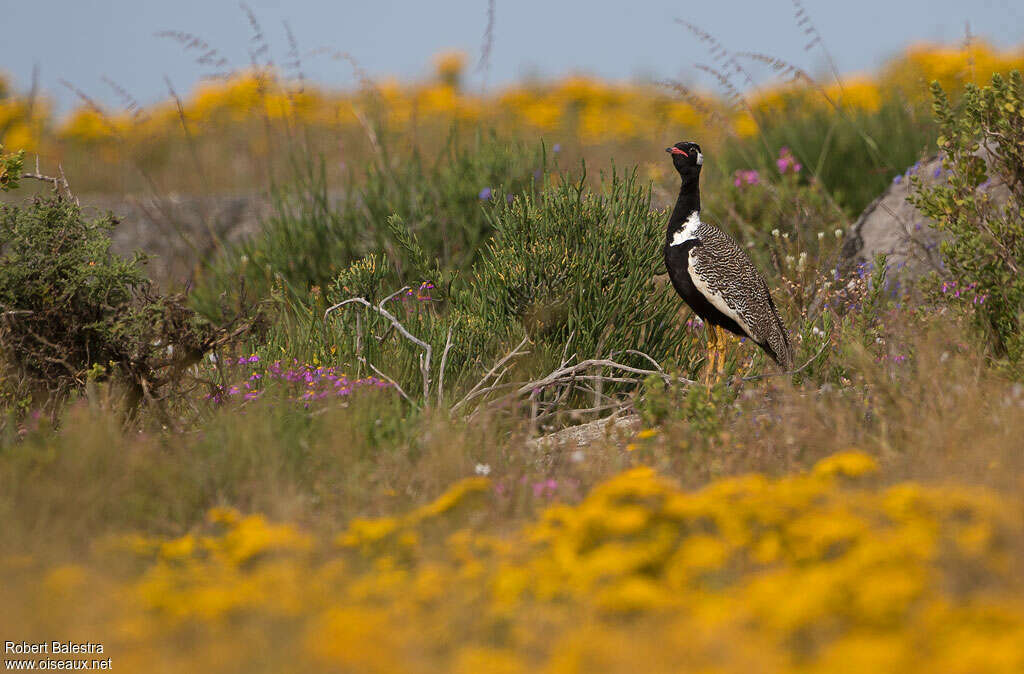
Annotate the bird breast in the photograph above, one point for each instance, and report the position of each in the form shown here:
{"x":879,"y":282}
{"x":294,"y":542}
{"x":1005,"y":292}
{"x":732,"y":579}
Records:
{"x":688,"y":231}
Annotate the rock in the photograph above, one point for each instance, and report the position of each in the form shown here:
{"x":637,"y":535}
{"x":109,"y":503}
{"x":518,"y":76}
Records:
{"x":892,"y":226}
{"x":582,"y":435}
{"x":177,"y":232}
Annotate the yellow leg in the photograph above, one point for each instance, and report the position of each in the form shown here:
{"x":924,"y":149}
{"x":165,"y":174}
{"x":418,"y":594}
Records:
{"x":723,"y":341}
{"x":711,"y":368}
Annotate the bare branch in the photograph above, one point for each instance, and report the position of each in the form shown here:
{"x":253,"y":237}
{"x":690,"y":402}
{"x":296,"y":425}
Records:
{"x":428,"y":350}
{"x":59,"y":181}
{"x":596,"y":362}
{"x":479,"y":385}
{"x":565,"y":349}
{"x":444,"y":363}
{"x":570,"y":376}
{"x":641,"y":354}
{"x":389,"y":379}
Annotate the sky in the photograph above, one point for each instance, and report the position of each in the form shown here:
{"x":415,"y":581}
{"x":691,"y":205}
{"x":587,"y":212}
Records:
{"x":91,"y":43}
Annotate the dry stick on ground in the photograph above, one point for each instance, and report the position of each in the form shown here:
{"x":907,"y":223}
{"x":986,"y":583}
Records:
{"x":571,"y":374}
{"x":598,"y":362}
{"x":565,"y":375}
{"x":476,"y":390}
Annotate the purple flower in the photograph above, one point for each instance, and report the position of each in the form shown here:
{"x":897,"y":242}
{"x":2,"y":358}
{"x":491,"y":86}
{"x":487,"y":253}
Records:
{"x":485,"y":194}
{"x":787,"y":162}
{"x":545,"y":488}
{"x":557,"y":148}
{"x":749,"y":177}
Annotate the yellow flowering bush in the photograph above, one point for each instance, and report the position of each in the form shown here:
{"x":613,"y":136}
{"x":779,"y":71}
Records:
{"x":21,"y":120}
{"x":253,"y":114}
{"x":827,"y":571}
{"x":593,"y":110}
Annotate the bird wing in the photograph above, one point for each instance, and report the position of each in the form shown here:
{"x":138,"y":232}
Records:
{"x":722,"y":272}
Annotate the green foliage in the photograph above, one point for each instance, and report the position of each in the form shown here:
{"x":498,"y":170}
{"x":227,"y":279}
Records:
{"x":73,"y":311}
{"x":10,"y":169}
{"x":572,"y":261}
{"x":425,"y":213}
{"x":868,"y":300}
{"x":570,"y":266}
{"x":704,"y":409}
{"x":984,"y":249}
{"x":780,"y":218}
{"x":853,"y":153}
{"x":62,"y":292}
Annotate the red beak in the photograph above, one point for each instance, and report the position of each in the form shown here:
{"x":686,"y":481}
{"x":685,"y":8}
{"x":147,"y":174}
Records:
{"x":676,"y":150}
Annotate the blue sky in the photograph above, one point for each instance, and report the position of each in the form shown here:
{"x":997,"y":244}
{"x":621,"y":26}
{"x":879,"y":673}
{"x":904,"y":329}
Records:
{"x":84,"y":42}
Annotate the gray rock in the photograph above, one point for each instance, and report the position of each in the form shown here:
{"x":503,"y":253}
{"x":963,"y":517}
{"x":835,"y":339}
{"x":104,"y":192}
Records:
{"x":892,"y":226}
{"x":178,"y":232}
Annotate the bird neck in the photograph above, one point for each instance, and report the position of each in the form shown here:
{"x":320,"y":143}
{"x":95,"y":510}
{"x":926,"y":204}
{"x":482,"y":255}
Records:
{"x":687,"y":204}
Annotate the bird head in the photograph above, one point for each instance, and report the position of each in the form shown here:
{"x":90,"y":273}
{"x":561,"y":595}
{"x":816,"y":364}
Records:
{"x":686,"y":157}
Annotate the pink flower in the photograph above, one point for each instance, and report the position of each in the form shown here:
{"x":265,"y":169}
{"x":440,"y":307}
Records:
{"x":787,"y":162}
{"x":746,"y":177}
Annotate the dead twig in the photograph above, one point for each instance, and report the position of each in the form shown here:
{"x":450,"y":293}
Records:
{"x":59,"y":182}
{"x":478,"y":389}
{"x":562,"y":373}
{"x":389,"y":379}
{"x":569,"y":376}
{"x":444,"y":364}
{"x":428,"y":350}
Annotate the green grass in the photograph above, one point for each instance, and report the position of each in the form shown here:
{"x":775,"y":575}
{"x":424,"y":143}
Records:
{"x":852,"y":152}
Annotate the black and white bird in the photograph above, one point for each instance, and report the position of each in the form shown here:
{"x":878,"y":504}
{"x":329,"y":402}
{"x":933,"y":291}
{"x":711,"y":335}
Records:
{"x":716,"y":278}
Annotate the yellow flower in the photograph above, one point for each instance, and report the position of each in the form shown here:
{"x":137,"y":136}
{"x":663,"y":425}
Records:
{"x":851,"y":463}
{"x":448,"y":66}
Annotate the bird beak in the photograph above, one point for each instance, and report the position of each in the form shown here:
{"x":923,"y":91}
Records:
{"x":676,"y":150}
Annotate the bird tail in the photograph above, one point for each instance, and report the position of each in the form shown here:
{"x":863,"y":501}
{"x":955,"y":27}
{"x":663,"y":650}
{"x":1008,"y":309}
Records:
{"x":785,"y":359}
{"x":778,"y":345}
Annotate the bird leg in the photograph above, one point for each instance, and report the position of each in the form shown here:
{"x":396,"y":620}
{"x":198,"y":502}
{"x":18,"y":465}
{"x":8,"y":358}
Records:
{"x":717,"y":341}
{"x":712,"y":364}
{"x":723,"y":341}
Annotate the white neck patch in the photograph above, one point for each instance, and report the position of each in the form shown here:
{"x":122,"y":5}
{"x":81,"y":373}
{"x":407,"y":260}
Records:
{"x":689,"y":229}
{"x":700,"y":159}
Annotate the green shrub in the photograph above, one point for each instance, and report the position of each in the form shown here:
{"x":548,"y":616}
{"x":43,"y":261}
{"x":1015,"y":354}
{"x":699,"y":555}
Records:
{"x":984,"y":249}
{"x":72,"y":311}
{"x":570,"y":263}
{"x":10,"y":169}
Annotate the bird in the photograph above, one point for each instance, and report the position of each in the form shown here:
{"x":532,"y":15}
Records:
{"x":715,"y":277}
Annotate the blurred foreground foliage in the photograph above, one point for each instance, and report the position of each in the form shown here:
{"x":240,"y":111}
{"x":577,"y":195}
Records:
{"x":821,"y":571}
